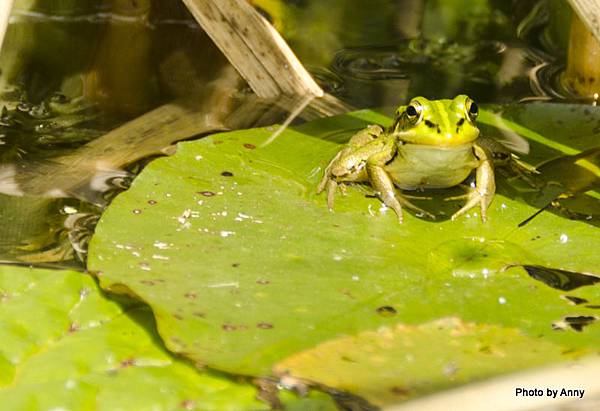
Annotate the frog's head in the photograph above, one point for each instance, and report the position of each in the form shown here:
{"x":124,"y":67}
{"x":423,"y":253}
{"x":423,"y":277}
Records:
{"x":437,"y":122}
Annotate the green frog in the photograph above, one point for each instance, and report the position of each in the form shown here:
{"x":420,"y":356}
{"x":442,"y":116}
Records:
{"x":431,"y":144}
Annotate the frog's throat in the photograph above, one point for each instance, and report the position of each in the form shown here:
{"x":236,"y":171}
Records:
{"x":421,"y":166}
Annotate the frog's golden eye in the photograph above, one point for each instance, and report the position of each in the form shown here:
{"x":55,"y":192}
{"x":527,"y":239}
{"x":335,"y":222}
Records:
{"x":414,"y":112}
{"x":472,"y":109}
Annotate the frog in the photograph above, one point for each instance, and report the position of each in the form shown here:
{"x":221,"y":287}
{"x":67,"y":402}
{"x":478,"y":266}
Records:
{"x":431,"y":144}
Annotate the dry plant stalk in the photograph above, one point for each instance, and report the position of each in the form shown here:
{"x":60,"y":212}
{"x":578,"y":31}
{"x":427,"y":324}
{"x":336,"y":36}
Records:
{"x":5,"y":8}
{"x":589,"y":13}
{"x":583,"y":63}
{"x":254,"y":48}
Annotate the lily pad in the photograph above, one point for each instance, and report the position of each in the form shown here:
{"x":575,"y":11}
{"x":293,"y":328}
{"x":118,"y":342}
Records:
{"x":66,"y":346}
{"x":244,"y":266}
{"x":394,"y":363}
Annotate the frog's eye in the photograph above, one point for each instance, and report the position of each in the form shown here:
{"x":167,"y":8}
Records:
{"x":472,"y":110}
{"x":414,"y":112}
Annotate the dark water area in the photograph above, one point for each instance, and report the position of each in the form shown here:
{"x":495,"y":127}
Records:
{"x":391,"y":50}
{"x":71,"y":71}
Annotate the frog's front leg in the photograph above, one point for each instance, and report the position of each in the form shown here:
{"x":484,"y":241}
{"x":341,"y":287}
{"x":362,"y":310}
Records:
{"x":348,"y":164}
{"x":483,"y":193}
{"x":384,"y":186}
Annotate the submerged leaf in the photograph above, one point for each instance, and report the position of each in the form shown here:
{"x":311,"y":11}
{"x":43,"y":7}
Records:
{"x":66,"y":346}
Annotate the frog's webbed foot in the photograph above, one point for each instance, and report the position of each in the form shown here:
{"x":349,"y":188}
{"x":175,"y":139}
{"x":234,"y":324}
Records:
{"x":386,"y":191}
{"x":402,"y":199}
{"x":474,"y":198}
{"x":416,"y":197}
{"x":512,"y":167}
{"x":327,"y":176}
{"x":524,"y":171}
{"x":483,"y":193}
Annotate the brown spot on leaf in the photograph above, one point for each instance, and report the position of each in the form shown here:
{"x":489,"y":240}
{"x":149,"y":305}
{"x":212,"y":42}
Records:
{"x":262,"y":281}
{"x":152,"y":202}
{"x":73,"y":327}
{"x":264,"y":326}
{"x":348,"y":294}
{"x":129,"y":362}
{"x":400,"y":391}
{"x":227,"y":174}
{"x":207,"y":193}
{"x":386,"y":311}
{"x":187,"y":404}
{"x":249,"y":146}
{"x":486,"y":349}
{"x":190,"y":295}
{"x":235,"y":265}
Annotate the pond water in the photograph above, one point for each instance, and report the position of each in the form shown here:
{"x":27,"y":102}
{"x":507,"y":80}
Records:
{"x":73,"y":70}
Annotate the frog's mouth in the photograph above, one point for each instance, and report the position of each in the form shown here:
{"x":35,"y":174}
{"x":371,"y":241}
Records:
{"x":435,"y":136}
{"x":437,"y":147}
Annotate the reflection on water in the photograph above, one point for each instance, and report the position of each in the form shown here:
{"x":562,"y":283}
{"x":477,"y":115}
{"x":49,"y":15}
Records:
{"x":490,"y":71}
{"x":126,"y":58}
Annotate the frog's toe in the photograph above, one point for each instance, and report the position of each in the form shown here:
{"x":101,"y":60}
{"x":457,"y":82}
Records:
{"x":323,"y":184}
{"x":405,"y":203}
{"x":460,"y":197}
{"x":343,"y":189}
{"x":428,"y":214}
{"x":420,"y":212}
{"x":474,"y":198}
{"x":416,"y":197}
{"x":527,"y":174}
{"x":398,"y":211}
{"x":331,"y":189}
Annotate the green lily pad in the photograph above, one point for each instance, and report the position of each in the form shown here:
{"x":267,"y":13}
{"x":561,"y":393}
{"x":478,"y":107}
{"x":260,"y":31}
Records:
{"x":395,"y":363}
{"x":66,"y":346}
{"x":244,"y":266}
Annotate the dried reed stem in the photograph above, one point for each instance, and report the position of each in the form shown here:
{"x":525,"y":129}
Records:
{"x":5,"y":8}
{"x":589,"y":12}
{"x":254,"y":48}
